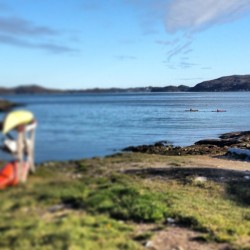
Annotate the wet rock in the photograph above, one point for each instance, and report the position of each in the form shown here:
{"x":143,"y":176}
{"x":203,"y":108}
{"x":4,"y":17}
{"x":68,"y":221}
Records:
{"x":161,"y":144}
{"x":171,"y":150}
{"x":218,"y":142}
{"x":202,"y":147}
{"x":243,"y":134}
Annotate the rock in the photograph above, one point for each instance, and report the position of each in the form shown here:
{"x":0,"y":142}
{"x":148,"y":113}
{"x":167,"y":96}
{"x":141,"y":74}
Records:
{"x":217,"y":142}
{"x":235,"y":135}
{"x":239,"y":152}
{"x":170,"y":221}
{"x":149,"y":244}
{"x":161,"y":144}
{"x":202,"y":147}
{"x":200,"y":179}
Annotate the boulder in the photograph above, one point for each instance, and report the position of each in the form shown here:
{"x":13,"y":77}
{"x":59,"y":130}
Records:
{"x":218,"y":142}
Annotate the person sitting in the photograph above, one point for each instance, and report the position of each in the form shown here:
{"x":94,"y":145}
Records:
{"x":22,"y":148}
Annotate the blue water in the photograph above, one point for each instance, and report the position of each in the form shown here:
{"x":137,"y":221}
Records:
{"x":87,"y":125}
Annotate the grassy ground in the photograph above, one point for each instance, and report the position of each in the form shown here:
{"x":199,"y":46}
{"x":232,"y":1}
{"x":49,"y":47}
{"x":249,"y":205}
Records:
{"x":98,"y":204}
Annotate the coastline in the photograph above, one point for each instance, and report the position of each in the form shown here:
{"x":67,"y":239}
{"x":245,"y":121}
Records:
{"x":220,"y":146}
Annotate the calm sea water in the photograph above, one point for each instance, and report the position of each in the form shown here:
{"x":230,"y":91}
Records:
{"x":87,"y":125}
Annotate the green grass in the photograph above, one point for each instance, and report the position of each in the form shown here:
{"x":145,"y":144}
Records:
{"x":67,"y":231}
{"x":121,"y":198}
{"x":98,"y":206}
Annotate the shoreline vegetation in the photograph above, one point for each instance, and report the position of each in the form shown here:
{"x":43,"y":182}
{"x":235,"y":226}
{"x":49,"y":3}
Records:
{"x":160,"y":197}
{"x":222,"y":84}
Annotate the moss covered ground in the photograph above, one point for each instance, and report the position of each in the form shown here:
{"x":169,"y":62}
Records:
{"x":98,"y":204}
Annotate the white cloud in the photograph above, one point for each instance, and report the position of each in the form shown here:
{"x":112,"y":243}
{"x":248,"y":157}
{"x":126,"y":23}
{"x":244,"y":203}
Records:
{"x":190,"y":15}
{"x":195,"y":15}
{"x":184,"y":18}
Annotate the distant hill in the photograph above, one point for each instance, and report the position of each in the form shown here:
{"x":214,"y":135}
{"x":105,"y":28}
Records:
{"x":28,"y":89}
{"x":110,"y":90}
{"x":36,"y":89}
{"x":226,"y":83}
{"x":181,"y":88}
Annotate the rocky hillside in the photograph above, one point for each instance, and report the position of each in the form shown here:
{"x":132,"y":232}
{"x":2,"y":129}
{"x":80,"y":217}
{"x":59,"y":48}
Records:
{"x":226,"y":83}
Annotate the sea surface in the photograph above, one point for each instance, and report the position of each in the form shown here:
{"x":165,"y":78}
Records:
{"x":87,"y":125}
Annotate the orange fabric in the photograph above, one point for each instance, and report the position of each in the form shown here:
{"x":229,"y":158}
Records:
{"x":9,"y":176}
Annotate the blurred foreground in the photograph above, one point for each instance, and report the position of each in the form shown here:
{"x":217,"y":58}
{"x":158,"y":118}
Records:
{"x":130,"y":201}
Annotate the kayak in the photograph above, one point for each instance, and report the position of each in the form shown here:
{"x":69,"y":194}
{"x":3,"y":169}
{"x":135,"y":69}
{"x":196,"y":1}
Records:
{"x":219,"y":110}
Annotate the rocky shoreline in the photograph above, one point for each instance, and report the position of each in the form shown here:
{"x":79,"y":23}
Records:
{"x":7,"y":105}
{"x":219,"y":146}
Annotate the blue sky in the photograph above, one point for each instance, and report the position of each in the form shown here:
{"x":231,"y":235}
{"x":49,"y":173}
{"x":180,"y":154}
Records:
{"x":122,"y":43}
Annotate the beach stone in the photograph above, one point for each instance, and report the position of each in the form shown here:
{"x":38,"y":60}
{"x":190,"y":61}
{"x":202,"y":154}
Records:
{"x":170,"y":220}
{"x":201,"y":179}
{"x":149,"y":245}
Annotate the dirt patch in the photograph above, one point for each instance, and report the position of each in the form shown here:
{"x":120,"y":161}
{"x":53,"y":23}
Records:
{"x":222,"y":162}
{"x":182,"y":174}
{"x":219,"y":169}
{"x":215,"y":168}
{"x":177,"y":238}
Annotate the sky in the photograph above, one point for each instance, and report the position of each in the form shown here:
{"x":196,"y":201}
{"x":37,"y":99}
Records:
{"x":80,"y":44}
